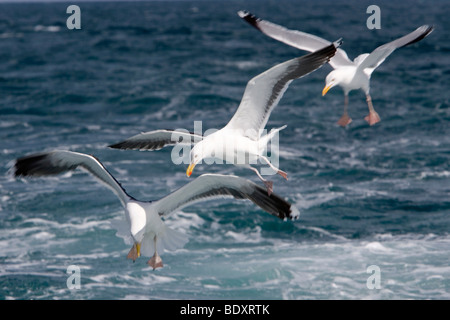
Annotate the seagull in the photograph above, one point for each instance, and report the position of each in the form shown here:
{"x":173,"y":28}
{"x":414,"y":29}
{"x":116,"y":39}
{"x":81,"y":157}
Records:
{"x":144,"y":218}
{"x":350,"y":75}
{"x":240,"y":141}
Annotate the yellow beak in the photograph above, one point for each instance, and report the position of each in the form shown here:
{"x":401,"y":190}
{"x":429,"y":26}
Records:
{"x":190,"y":169}
{"x":138,"y":249}
{"x":325,"y":90}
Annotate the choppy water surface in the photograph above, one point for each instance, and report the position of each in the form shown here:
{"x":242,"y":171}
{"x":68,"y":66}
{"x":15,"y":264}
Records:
{"x":368,"y":195}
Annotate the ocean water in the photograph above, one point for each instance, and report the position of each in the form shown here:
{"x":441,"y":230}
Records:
{"x":369,"y":196}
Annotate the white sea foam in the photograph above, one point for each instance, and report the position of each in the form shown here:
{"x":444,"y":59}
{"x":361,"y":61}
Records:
{"x":377,"y":247}
{"x":306,"y":201}
{"x":6,"y":35}
{"x":436,"y":174}
{"x":246,"y":236}
{"x":378,"y":174}
{"x":240,"y":64}
{"x":84,"y":224}
{"x":47,"y":28}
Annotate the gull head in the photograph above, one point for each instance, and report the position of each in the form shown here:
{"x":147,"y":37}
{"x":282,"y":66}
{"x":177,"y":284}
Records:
{"x":334,"y":78}
{"x":196,"y":156}
{"x":210,"y":147}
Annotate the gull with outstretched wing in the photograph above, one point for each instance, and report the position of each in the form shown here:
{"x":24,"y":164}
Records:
{"x":349,"y":75}
{"x":145,"y":224}
{"x":241,"y":139}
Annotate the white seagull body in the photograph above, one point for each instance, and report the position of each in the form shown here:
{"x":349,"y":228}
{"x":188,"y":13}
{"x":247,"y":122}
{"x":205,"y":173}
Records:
{"x":240,"y":140}
{"x":146,"y":227}
{"x":349,"y":75}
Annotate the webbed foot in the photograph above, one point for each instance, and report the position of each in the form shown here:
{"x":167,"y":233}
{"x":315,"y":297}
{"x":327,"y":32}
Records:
{"x":155,"y":261}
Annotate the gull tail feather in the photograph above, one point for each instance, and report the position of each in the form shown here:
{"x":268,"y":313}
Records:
{"x":265,"y":139}
{"x":274,"y":131}
{"x":171,"y":239}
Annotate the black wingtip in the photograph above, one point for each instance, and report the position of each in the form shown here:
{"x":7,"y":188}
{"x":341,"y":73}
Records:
{"x":317,"y":58}
{"x":118,"y":145}
{"x":127,"y":145}
{"x":275,"y":205}
{"x":338,"y":43}
{"x":22,"y":166}
{"x":242,"y":13}
{"x":426,"y":32}
{"x":250,"y":18}
{"x":34,"y":165}
{"x":138,"y":145}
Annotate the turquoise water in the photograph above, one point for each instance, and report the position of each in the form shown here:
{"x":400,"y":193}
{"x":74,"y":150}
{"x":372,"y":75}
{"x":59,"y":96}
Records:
{"x":367,"y":195}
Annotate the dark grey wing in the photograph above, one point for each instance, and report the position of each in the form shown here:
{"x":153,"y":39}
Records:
{"x":374,"y":59}
{"x":59,"y":161}
{"x":297,"y":39}
{"x":264,"y":91}
{"x":210,"y":186}
{"x":158,"y":139}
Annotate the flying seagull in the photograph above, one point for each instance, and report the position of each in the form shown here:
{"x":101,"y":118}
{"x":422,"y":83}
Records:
{"x":240,"y":140}
{"x":350,"y":75}
{"x":146,"y":227}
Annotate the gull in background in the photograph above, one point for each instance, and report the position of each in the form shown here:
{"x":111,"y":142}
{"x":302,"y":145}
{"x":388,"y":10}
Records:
{"x":241,"y":137}
{"x":350,"y":75}
{"x":148,"y":231}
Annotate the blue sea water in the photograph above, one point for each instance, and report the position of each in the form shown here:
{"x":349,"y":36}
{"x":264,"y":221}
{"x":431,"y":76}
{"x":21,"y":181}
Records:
{"x":368,"y":196}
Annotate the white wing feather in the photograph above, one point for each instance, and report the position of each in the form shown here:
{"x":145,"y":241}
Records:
{"x":264,"y":91}
{"x":377,"y":57}
{"x":297,"y":39}
{"x":210,"y":186}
